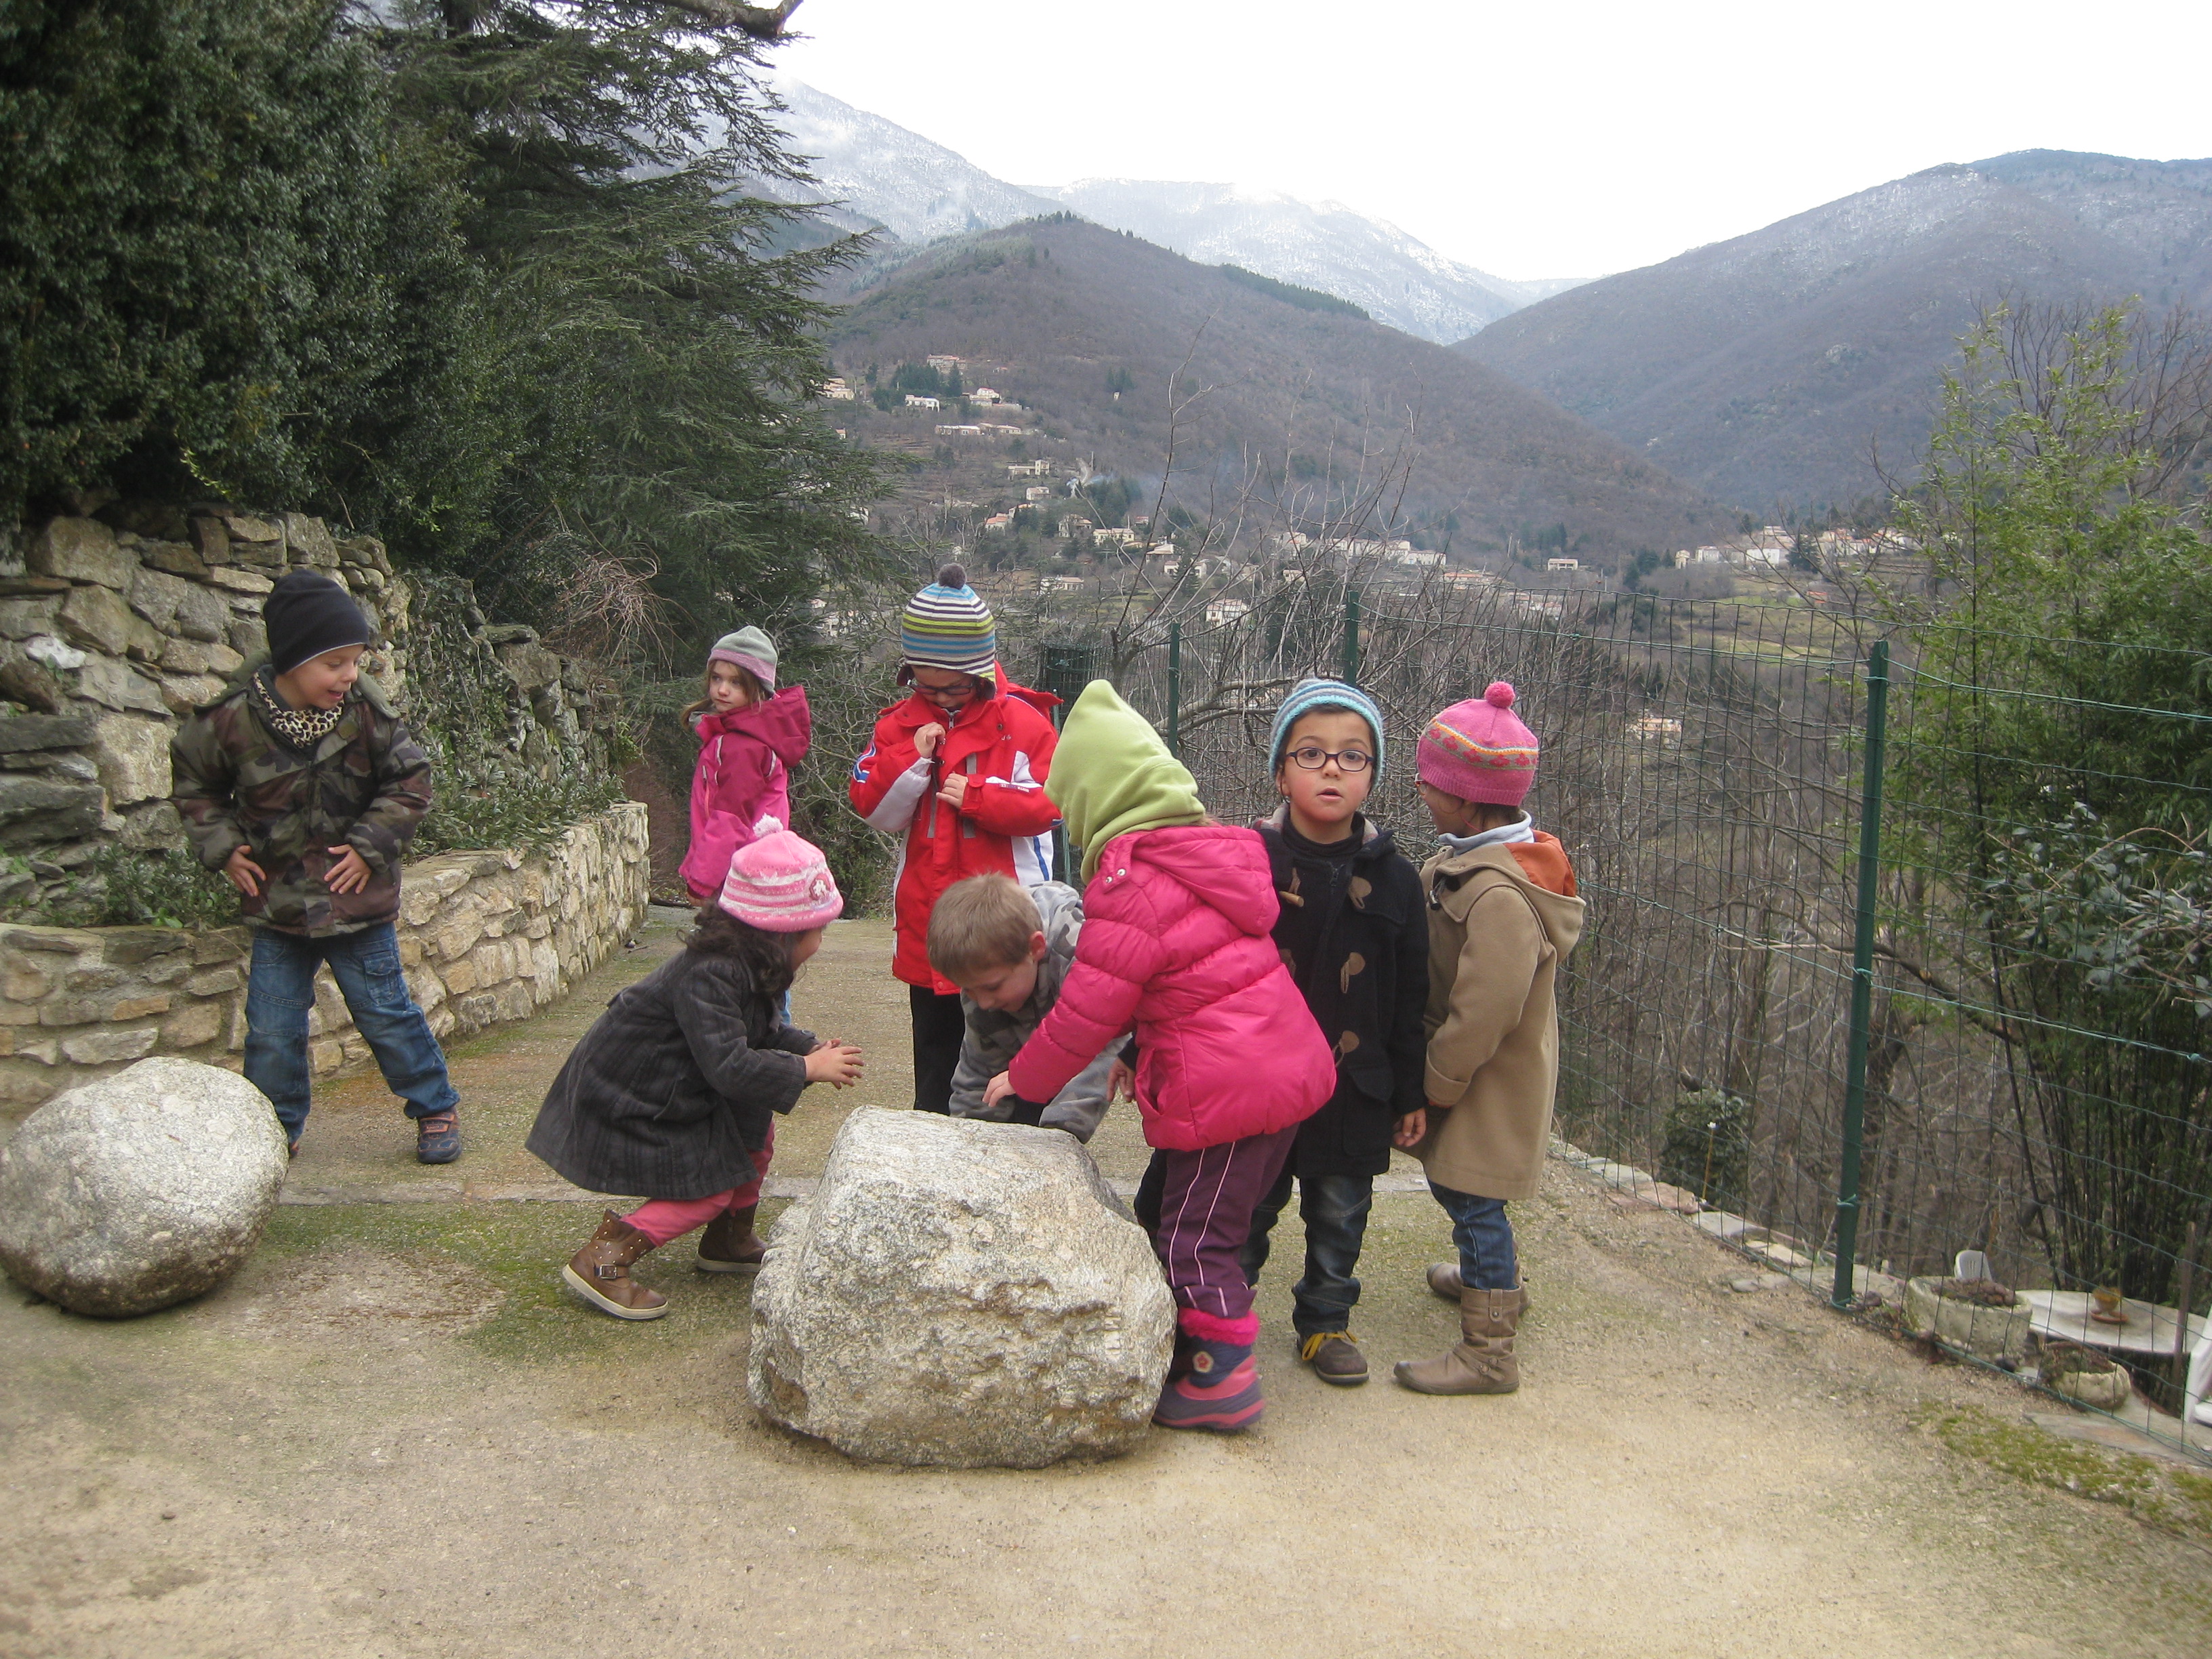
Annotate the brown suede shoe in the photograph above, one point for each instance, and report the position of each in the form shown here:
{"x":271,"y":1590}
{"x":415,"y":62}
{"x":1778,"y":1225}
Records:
{"x":599,"y":1273}
{"x":1335,"y":1357}
{"x":1444,"y":1280}
{"x":1482,"y":1363}
{"x":730,"y":1245}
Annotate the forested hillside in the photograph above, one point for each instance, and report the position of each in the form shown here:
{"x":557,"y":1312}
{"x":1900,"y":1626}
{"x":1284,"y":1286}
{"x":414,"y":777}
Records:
{"x":1767,"y":368}
{"x":1124,"y":354}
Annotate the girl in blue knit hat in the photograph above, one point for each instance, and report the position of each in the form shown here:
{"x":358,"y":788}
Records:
{"x":1353,"y":931}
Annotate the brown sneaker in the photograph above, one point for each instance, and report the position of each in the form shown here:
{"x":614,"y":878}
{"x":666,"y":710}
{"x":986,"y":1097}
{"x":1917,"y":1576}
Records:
{"x":1484,"y":1361}
{"x":599,"y":1273}
{"x":1335,"y":1357}
{"x":730,"y":1245}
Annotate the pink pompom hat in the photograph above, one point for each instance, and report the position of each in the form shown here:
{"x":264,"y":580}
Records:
{"x":780,"y":883}
{"x":1479,"y":750}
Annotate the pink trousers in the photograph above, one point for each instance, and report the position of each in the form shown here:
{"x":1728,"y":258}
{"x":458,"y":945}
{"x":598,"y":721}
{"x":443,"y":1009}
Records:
{"x":663,"y":1219}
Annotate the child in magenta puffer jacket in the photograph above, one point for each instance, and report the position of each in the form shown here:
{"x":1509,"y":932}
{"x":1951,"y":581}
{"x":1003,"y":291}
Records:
{"x":1176,"y":940}
{"x":750,"y":735}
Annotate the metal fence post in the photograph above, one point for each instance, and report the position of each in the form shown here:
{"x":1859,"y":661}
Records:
{"x":1855,"y":1062}
{"x":1352,"y":636}
{"x":1175,"y":689}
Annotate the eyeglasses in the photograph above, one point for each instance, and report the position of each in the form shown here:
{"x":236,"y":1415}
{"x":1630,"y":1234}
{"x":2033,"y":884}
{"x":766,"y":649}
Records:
{"x":946,"y":695}
{"x":1312,"y":757}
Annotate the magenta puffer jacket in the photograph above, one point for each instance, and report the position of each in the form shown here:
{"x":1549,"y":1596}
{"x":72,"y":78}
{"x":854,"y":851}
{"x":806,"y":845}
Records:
{"x":1175,"y":939}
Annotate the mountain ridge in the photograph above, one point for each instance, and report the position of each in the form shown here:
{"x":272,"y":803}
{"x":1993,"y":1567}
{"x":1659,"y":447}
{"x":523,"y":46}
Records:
{"x":1769,"y":368}
{"x":875,"y":173}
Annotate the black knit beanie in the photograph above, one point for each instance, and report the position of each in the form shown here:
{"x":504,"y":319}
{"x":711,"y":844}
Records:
{"x":306,"y":614}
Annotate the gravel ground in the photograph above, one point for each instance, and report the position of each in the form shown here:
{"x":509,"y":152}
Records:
{"x":391,"y":1436}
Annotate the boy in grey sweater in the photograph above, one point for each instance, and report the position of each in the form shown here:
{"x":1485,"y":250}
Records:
{"x":1009,"y":948}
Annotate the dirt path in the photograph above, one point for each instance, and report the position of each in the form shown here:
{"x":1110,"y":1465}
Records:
{"x":390,"y":1435}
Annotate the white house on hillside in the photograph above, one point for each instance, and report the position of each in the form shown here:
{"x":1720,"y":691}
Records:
{"x":915,"y":402}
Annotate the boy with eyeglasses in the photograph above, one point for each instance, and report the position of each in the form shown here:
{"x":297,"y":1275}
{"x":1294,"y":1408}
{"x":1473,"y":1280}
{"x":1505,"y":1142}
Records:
{"x":956,"y":770}
{"x":1353,"y":934}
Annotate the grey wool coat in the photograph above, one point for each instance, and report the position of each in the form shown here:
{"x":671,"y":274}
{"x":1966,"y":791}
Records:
{"x":671,"y":1092}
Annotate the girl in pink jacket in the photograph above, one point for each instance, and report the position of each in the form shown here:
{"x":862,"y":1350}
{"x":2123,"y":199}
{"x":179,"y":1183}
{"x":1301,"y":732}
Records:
{"x":1176,"y":940}
{"x":750,"y":735}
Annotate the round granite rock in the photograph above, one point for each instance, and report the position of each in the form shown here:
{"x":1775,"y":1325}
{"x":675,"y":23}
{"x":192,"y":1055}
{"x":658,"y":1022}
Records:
{"x":141,"y":1189}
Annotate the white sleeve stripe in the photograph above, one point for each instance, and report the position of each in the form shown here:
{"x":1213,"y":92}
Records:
{"x":896,"y":810}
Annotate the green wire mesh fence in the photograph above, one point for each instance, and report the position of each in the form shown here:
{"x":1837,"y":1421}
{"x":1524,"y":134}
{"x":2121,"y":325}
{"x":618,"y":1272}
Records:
{"x":1868,"y":1020}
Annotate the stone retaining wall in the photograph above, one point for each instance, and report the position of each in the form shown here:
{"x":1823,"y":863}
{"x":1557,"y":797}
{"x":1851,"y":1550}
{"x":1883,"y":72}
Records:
{"x":484,"y":937}
{"x":113,"y":628}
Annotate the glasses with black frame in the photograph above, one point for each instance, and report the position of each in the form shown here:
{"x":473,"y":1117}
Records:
{"x":1311,"y":757}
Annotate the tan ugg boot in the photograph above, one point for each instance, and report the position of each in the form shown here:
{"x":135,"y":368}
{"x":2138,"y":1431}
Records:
{"x":1482,"y":1363}
{"x":599,"y":1273}
{"x":729,"y":1245}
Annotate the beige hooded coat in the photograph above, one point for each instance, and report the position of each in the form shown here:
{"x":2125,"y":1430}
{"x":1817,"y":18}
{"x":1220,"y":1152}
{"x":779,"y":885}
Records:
{"x":1496,"y":940}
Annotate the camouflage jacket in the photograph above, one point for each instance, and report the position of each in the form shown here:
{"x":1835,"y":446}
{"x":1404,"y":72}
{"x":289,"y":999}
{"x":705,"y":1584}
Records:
{"x":366,"y":784}
{"x":995,"y":1037}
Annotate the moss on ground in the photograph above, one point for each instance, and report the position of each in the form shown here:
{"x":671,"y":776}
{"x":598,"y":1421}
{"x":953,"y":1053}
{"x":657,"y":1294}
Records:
{"x":2174,"y":1499}
{"x":520,"y":1248}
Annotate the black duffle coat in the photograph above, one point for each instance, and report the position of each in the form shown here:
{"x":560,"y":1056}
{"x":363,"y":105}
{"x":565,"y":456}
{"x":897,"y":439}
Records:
{"x":1365,"y":977}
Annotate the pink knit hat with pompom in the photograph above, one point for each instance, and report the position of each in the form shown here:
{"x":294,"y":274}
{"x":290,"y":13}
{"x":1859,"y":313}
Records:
{"x":780,"y":884}
{"x":1479,"y":750}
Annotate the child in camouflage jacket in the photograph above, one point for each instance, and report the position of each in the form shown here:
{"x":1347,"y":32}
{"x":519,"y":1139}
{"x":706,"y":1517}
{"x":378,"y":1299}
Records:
{"x":302,"y":785}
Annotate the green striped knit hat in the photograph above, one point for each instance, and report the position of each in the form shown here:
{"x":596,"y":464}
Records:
{"x":948,"y":626}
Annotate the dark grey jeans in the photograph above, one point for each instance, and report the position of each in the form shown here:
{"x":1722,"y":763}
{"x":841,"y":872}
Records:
{"x":1334,"y":1209}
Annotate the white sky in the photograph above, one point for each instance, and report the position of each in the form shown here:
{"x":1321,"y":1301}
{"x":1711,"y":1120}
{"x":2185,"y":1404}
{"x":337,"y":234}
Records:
{"x":1527,"y":140}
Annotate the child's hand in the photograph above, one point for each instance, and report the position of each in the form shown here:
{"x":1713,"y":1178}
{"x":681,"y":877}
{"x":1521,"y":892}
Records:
{"x":245,"y":874}
{"x":349,"y":874}
{"x":838,"y":1064}
{"x":926,"y":739}
{"x":955,"y":790}
{"x":1121,"y":1082}
{"x":998,"y":1088}
{"x":1411,"y":1128}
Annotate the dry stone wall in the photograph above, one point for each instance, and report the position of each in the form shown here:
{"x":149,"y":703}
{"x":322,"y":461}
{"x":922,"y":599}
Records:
{"x":484,"y":937}
{"x":113,"y":628}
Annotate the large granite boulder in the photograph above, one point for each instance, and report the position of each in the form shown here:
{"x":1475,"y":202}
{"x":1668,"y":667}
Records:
{"x":961,"y":1293}
{"x":140,"y":1190}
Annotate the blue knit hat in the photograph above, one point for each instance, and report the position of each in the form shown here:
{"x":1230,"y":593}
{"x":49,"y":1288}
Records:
{"x":948,"y":626}
{"x":1306,"y":696}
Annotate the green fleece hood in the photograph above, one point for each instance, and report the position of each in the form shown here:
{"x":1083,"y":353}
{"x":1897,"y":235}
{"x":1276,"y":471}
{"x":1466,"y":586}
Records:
{"x":1111,"y":774}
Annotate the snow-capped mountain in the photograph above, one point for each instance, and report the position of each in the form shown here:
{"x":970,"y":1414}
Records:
{"x":1395,"y":277}
{"x":1767,"y":368}
{"x":881,"y":174}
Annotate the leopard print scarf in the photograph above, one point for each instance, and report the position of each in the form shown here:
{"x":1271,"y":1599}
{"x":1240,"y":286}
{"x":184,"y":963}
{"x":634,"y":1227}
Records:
{"x":299,"y":728}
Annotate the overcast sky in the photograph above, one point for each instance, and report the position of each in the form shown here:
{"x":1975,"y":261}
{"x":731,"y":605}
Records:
{"x":1527,"y":140}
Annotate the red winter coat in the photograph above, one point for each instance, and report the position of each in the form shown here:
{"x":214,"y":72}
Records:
{"x":1003,"y":743}
{"x":1175,"y":939}
{"x":745,"y":759}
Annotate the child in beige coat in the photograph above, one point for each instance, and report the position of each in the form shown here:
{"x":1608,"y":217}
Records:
{"x":1503,"y":916}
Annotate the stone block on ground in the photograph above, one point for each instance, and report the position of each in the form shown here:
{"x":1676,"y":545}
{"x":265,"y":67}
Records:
{"x":141,"y":1189}
{"x":961,"y":1294}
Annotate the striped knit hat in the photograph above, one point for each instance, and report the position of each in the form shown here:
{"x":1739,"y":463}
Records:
{"x":1479,"y":750}
{"x":780,"y":884}
{"x":1306,"y":696}
{"x":948,"y":626}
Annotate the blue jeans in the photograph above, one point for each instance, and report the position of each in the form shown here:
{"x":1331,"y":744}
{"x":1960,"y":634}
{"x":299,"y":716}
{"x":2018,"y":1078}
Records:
{"x":1485,"y":1237}
{"x":1334,"y":1209}
{"x":280,"y":990}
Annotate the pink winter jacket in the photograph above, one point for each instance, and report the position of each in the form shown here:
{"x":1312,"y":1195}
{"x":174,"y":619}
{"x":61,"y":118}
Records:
{"x":1175,"y":939}
{"x":745,"y":759}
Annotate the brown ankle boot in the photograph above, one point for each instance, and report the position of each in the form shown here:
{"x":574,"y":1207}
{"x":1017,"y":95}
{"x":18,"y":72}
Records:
{"x":1444,"y":1280}
{"x":1482,"y":1363}
{"x":729,"y":1245}
{"x":599,"y":1273}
